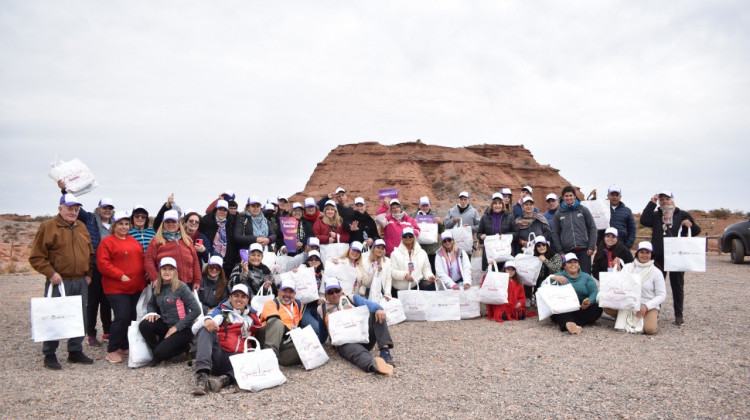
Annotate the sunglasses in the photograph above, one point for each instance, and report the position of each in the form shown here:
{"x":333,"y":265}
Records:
{"x":139,"y":216}
{"x":214,"y":267}
{"x":333,"y":292}
{"x":447,"y":240}
{"x":313,"y":259}
{"x":408,"y":235}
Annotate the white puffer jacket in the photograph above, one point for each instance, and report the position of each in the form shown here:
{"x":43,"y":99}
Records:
{"x":400,"y":266}
{"x":367,"y":275}
{"x":441,"y":269}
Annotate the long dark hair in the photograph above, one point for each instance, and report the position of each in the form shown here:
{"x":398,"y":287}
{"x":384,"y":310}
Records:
{"x":221,"y":283}
{"x":548,"y":255}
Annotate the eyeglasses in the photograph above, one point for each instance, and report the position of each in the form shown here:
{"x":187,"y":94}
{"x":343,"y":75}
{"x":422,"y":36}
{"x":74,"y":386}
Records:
{"x":139,"y":216}
{"x":214,"y":267}
{"x":408,"y":235}
{"x":333,"y":292}
{"x":193,"y":222}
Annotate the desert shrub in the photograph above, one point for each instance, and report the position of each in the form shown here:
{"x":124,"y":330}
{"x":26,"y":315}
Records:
{"x":41,"y":218}
{"x":721,"y":213}
{"x":438,"y":185}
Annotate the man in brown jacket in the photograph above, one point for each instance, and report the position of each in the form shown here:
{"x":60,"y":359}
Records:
{"x":62,"y":251}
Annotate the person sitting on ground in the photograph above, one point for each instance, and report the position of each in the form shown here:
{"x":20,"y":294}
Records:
{"x":551,"y":261}
{"x":353,"y":258}
{"x":140,"y":230}
{"x":377,"y":265}
{"x":310,"y":310}
{"x":452,"y":266}
{"x":279,"y":316}
{"x":653,"y":287}
{"x":409,"y":264}
{"x":213,"y":289}
{"x":166,"y":328}
{"x":393,"y":222}
{"x":313,"y":244}
{"x":253,"y":272}
{"x":224,"y":332}
{"x":360,"y":225}
{"x":586,"y":289}
{"x":515,"y":309}
{"x":359,"y":354}
{"x":610,"y":254}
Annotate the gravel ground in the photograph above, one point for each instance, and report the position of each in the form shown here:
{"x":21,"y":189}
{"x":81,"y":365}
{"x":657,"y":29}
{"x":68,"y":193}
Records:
{"x":476,"y":368}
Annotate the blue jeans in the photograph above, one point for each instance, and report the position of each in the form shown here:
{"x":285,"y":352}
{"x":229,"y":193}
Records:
{"x":310,"y":317}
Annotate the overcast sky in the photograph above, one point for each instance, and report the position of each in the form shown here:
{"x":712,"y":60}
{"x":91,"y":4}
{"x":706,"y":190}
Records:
{"x":194,"y":97}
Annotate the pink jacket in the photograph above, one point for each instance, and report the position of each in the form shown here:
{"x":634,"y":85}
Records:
{"x":393,"y":227}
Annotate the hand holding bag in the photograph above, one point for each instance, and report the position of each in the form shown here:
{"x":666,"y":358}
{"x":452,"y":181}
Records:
{"x":140,"y":353}
{"x":528,"y":266}
{"x":259,"y":300}
{"x":350,"y":325}
{"x":309,"y":349}
{"x":463,"y":237}
{"x":494,"y":289}
{"x":56,"y":318}
{"x":78,"y":177}
{"x":255,"y":369}
{"x":498,"y":247}
{"x":556,"y":299}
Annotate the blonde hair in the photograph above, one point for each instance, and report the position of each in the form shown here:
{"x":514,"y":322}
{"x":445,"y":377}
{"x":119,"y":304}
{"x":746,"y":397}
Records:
{"x":176,"y":283}
{"x":333,"y":222}
{"x":372,"y":257}
{"x":345,"y":256}
{"x":185,"y":237}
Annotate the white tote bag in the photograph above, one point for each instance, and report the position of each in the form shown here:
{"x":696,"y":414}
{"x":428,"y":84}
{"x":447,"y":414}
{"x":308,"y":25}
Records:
{"x":304,"y":282}
{"x":56,"y":318}
{"x":140,"y":353}
{"x":415,"y":304}
{"x":259,"y":300}
{"x":494,"y":290}
{"x":394,"y":311}
{"x":685,"y":254}
{"x":345,"y":273}
{"x":556,"y":299}
{"x":428,"y":233}
{"x":351,"y":325}
{"x":463,"y":237}
{"x":78,"y":177}
{"x":469,"y":300}
{"x":198,"y":323}
{"x":600,"y":211}
{"x":498,"y":247}
{"x":332,"y":251}
{"x":269,"y":259}
{"x":255,"y":370}
{"x":444,"y":305}
{"x":141,"y":307}
{"x":309,"y":349}
{"x":619,"y":290}
{"x":528,"y":267}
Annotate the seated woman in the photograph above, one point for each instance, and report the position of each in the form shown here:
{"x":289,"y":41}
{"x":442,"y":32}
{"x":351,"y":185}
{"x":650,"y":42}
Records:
{"x":171,"y":312}
{"x":376,"y":266}
{"x":213,"y":289}
{"x":202,"y":245}
{"x":515,"y":309}
{"x":586,"y":289}
{"x":310,"y":310}
{"x":409,"y":264}
{"x":610,"y":253}
{"x":551,"y":261}
{"x":253,"y":273}
{"x":223,"y":334}
{"x":352,"y":258}
{"x":172,"y":241}
{"x":653,"y":287}
{"x":452,"y":265}
{"x":359,"y":354}
{"x":329,"y":228}
{"x":139,"y":226}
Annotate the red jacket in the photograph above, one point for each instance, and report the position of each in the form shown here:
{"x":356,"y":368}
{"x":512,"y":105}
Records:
{"x":323,"y":231}
{"x":394,"y":227}
{"x":116,"y":257}
{"x":230,"y":335}
{"x":188,"y":265}
{"x":515,"y":295}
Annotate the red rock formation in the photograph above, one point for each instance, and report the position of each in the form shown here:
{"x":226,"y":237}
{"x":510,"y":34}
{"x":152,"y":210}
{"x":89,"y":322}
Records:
{"x":418,"y":169}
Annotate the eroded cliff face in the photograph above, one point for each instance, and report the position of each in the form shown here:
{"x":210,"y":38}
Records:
{"x":417,"y":169}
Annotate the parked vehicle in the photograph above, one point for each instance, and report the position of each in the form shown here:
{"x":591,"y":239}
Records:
{"x":736,"y":241}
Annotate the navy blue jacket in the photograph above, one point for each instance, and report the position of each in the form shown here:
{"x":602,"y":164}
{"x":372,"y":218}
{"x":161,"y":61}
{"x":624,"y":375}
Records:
{"x":518,"y":210}
{"x":621,"y":218}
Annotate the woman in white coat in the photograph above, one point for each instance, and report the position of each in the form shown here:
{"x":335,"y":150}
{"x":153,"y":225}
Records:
{"x":376,"y":265}
{"x":410,"y":265}
{"x":452,"y":265}
{"x":653,"y":287}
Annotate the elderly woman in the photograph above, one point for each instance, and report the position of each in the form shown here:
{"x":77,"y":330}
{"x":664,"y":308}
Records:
{"x":653,"y":287}
{"x":410,"y":264}
{"x":666,"y":221}
{"x":172,"y":241}
{"x":376,"y":266}
{"x":452,"y":265}
{"x":610,"y":253}
{"x":253,"y":273}
{"x":531,"y":221}
{"x":551,"y":260}
{"x":202,"y":245}
{"x":586,"y":289}
{"x":120,"y":260}
{"x":218,"y":226}
{"x":329,"y":228}
{"x":497,"y":221}
{"x":393,"y":220}
{"x":214,"y":286}
{"x":139,"y":226}
{"x":171,"y":312}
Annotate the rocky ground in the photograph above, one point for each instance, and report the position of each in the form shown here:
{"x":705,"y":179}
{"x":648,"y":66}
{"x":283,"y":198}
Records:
{"x":465,"y":369}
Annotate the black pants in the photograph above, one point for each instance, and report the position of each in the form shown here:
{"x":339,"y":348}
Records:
{"x":164,"y":348}
{"x":97,"y":302}
{"x":359,"y":354}
{"x":581,"y":317}
{"x":676,"y":282}
{"x":431,"y":257}
{"x":123,"y":307}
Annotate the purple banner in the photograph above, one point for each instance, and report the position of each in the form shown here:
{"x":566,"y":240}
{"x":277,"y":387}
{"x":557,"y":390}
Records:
{"x":382,"y":194}
{"x":425,"y":218}
{"x":288,"y":226}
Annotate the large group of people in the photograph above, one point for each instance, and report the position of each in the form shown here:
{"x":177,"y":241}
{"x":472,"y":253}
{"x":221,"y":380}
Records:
{"x":209,"y":267}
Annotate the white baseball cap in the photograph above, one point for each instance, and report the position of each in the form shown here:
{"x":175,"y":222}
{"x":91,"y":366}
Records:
{"x":269,"y":206}
{"x":216,"y":260}
{"x":69,"y":200}
{"x":540,"y":240}
{"x":614,"y":189}
{"x":309,"y":202}
{"x":359,"y":200}
{"x":407,"y":231}
{"x":570,"y":257}
{"x":287,"y":284}
{"x":104,"y":202}
{"x":497,"y":195}
{"x":424,"y":201}
{"x":281,"y":198}
{"x":356,"y":245}
{"x":510,"y":264}
{"x":255,"y":247}
{"x":222,"y":204}
{"x":506,"y":191}
{"x":446,"y":235}
{"x":611,"y":230}
{"x":253,"y":199}
{"x":525,"y":199}
{"x":463,"y":194}
{"x":667,"y":193}
{"x":241,"y":288}
{"x":378,"y":242}
{"x":339,"y":190}
{"x":297,"y":205}
{"x":527,"y":188}
{"x":313,"y":253}
{"x":167,"y":261}
{"x":119,"y":215}
{"x":645,"y":245}
{"x":395,"y":201}
{"x":313,"y":241}
{"x":332,"y":283}
{"x":171,"y":215}
{"x":552,"y":196}
{"x":330,"y":203}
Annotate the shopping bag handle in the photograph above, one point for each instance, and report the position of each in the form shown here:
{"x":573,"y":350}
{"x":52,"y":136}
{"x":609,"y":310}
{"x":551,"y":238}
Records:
{"x":341,"y":301}
{"x":248,"y":350}
{"x":198,"y":299}
{"x":59,"y":287}
{"x":689,"y":230}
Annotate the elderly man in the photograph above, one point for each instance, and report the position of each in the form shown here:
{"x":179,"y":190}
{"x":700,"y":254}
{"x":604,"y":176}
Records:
{"x":280,"y":316}
{"x":62,"y":251}
{"x":463,"y":213}
{"x":574,"y":230}
{"x":359,"y":354}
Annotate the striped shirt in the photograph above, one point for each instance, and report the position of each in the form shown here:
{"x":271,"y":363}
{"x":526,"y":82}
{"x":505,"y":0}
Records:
{"x":143,"y":236}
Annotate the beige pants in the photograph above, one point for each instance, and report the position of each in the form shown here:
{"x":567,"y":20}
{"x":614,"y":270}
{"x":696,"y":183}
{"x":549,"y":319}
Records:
{"x":650,"y":326}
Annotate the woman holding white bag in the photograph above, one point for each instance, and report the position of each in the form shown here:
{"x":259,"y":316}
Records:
{"x":653,"y":287}
{"x":377,"y":265}
{"x":452,"y":265}
{"x":499,"y":220}
{"x":410,"y":264}
{"x":551,"y":260}
{"x":586,"y":289}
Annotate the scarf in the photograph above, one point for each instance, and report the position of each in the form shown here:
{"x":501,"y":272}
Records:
{"x":220,"y":239}
{"x":461,"y":210}
{"x":398,"y":216}
{"x":312,"y":218}
{"x":260,"y":226}
{"x":573,"y":206}
{"x":172,"y":236}
{"x":667,"y":213}
{"x":646,"y":269}
{"x":496,"y":219}
{"x":450,"y":258}
{"x":524,"y":222}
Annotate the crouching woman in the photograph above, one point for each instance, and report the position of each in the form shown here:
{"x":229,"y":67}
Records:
{"x":585,"y":288}
{"x":224,"y":332}
{"x":359,"y":354}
